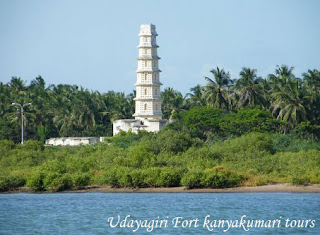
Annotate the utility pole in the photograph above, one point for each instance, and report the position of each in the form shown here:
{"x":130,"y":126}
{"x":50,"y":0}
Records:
{"x":22,"y":115}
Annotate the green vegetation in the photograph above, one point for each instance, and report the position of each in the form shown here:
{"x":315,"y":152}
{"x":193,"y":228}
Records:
{"x":248,"y":131}
{"x":167,"y":159}
{"x":207,"y":122}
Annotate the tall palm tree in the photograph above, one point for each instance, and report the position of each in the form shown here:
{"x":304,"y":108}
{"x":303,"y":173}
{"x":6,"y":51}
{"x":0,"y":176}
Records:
{"x":312,"y":88}
{"x":312,"y":80}
{"x":249,"y":89}
{"x":131,"y":103}
{"x":283,"y":75}
{"x":197,"y":96}
{"x":66,"y":123}
{"x":64,"y":100}
{"x":287,"y":98}
{"x":5,"y":99}
{"x":40,"y":99}
{"x":172,"y":103}
{"x":118,"y":105}
{"x":83,"y":109}
{"x":18,"y":89}
{"x":216,"y":90}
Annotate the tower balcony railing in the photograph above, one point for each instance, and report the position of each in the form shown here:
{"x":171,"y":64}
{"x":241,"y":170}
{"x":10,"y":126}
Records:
{"x":148,"y":112}
{"x":148,"y":33}
{"x":158,"y":97}
{"x":151,"y":96}
{"x":148,"y":57}
{"x":148,"y":69}
{"x":148,"y":83}
{"x":147,"y":44}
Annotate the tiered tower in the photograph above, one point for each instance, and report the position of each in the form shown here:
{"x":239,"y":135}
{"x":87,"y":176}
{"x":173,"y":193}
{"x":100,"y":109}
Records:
{"x":147,"y":101}
{"x":148,"y":115}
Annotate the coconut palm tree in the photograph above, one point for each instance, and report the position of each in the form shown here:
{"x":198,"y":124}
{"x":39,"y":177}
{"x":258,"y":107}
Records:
{"x":38,"y":95}
{"x":283,"y":75}
{"x":196,"y":96}
{"x":216,"y":90}
{"x":249,"y":89}
{"x":5,"y":99}
{"x":312,"y":80}
{"x":64,"y":98}
{"x":118,"y":105}
{"x":287,"y":98}
{"x":131,"y":103}
{"x":172,"y":103}
{"x":84,"y":108}
{"x":312,"y":88}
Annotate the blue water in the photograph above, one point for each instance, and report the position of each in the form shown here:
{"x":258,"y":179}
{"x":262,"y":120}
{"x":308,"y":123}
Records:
{"x":88,"y":213}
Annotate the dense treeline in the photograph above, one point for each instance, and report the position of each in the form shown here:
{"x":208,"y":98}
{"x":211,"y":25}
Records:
{"x":293,"y":101}
{"x":61,"y":110}
{"x":69,"y":110}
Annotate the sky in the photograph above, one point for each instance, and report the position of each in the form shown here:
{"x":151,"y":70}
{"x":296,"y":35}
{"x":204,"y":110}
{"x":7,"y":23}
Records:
{"x":94,"y":43}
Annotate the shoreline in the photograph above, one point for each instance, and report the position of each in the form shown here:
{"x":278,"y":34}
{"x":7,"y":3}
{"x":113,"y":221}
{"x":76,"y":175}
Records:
{"x":270,"y":188}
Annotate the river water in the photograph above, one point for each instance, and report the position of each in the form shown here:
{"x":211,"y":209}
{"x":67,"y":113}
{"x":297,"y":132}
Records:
{"x":160,"y":213}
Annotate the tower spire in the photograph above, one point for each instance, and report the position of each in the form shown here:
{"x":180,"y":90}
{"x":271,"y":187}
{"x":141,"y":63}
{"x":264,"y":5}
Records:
{"x":147,"y":101}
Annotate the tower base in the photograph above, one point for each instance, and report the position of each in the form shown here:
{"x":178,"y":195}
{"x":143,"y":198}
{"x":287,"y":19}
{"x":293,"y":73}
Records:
{"x":135,"y":125}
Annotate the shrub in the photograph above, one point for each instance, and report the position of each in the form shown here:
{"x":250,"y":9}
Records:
{"x":202,"y":157}
{"x":138,"y":178}
{"x":60,"y":183}
{"x":169,"y":141}
{"x":259,"y":180}
{"x":296,"y":180}
{"x":220,"y":177}
{"x":305,"y":164}
{"x":33,"y":145}
{"x":81,"y":179}
{"x":51,"y":181}
{"x":119,"y":177}
{"x":216,"y":177}
{"x":305,"y":130}
{"x":3,"y":184}
{"x":35,"y":181}
{"x":49,"y":178}
{"x":110,"y":178}
{"x":139,"y":156}
{"x":98,"y":177}
{"x":57,"y":165}
{"x":43,"y":132}
{"x":126,"y":139}
{"x":169,"y":177}
{"x":293,"y":143}
{"x":192,"y":179}
{"x":11,"y":182}
{"x":5,"y":147}
{"x":124,"y":177}
{"x":251,"y":145}
{"x":151,"y":176}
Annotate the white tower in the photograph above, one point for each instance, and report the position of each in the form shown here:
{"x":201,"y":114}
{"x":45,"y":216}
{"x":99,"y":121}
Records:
{"x":148,"y":114}
{"x":147,"y":101}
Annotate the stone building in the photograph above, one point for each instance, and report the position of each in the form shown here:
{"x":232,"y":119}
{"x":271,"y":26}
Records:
{"x":72,"y":141}
{"x":148,"y":114}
